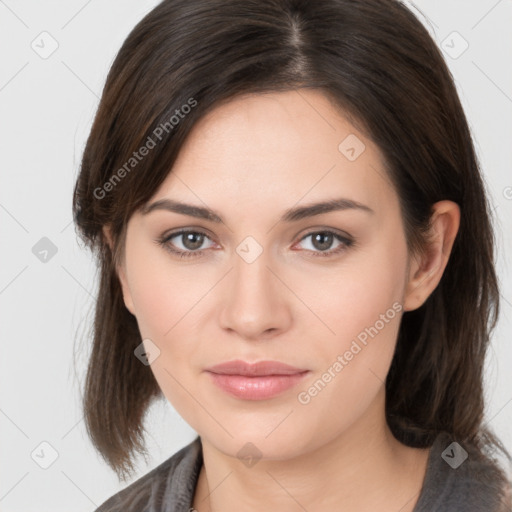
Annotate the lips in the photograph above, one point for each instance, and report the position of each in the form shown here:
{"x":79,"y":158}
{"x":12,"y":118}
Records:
{"x":255,"y":381}
{"x":254,"y":369}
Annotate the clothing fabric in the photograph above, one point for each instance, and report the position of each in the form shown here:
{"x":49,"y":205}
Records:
{"x":452,"y":483}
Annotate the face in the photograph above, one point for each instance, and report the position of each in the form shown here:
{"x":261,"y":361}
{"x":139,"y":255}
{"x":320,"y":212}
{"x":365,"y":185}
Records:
{"x":319,"y":290}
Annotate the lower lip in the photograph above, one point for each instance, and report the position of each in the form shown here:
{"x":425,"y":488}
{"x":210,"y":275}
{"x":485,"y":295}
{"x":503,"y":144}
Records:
{"x":256,"y":388}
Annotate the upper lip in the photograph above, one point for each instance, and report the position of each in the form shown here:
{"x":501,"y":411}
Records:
{"x":258,"y":369}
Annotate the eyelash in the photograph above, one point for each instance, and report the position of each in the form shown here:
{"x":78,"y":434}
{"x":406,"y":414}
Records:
{"x":164,"y":242}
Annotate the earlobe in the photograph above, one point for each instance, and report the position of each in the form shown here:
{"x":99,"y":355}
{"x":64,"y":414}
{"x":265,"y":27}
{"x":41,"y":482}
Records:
{"x":426,"y":270}
{"x":107,"y":234}
{"x":120,"y":271}
{"x":127,"y":296}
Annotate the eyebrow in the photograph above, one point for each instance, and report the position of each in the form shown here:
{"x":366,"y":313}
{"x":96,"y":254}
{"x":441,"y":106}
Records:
{"x":290,"y":215}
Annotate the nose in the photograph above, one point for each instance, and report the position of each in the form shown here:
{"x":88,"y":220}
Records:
{"x":256,"y":302}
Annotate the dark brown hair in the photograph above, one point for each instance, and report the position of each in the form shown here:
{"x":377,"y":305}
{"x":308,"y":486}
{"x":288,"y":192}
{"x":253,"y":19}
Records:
{"x":375,"y":60}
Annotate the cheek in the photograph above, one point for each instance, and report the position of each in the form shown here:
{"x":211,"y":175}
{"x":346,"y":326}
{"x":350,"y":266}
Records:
{"x":366,"y":291}
{"x":166,"y":301}
{"x":362,"y":304}
{"x":163,"y":294}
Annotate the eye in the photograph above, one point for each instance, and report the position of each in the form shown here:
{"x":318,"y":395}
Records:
{"x":191,"y":243}
{"x":321,"y":241}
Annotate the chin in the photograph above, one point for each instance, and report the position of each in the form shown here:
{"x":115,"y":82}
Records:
{"x":253,"y":442}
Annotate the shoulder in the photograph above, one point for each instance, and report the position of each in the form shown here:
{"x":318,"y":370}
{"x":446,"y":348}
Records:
{"x":172,"y":482}
{"x":461,"y":478}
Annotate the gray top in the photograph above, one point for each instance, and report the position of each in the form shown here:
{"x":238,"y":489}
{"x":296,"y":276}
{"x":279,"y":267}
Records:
{"x":456,"y":481}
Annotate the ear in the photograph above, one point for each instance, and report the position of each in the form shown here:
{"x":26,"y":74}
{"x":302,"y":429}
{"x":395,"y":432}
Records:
{"x":121,"y":273}
{"x":426,"y":270}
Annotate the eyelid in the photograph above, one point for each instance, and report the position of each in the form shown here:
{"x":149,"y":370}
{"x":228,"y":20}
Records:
{"x":325,"y":229}
{"x":165,"y":240}
{"x":345,"y":240}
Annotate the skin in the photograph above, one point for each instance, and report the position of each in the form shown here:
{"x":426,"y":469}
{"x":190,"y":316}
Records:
{"x":250,"y":160}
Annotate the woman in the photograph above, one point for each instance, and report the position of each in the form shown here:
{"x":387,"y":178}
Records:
{"x":296,"y":251}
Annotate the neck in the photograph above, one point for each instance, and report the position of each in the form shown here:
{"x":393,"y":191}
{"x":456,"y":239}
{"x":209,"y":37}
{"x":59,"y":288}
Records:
{"x":363,"y":468}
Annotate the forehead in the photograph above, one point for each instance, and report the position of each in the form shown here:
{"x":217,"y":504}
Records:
{"x":278,"y":148}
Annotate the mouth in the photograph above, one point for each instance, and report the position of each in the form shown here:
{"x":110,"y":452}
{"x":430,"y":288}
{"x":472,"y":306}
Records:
{"x":255,"y":381}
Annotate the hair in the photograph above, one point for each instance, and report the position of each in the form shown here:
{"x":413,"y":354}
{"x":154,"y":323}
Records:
{"x":377,"y":63}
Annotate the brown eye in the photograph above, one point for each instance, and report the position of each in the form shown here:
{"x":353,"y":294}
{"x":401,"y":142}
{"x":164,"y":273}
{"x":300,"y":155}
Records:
{"x":322,"y":241}
{"x":192,"y":240}
{"x":191,"y":243}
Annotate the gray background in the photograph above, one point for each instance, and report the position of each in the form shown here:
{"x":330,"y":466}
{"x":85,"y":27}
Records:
{"x":47,"y":103}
